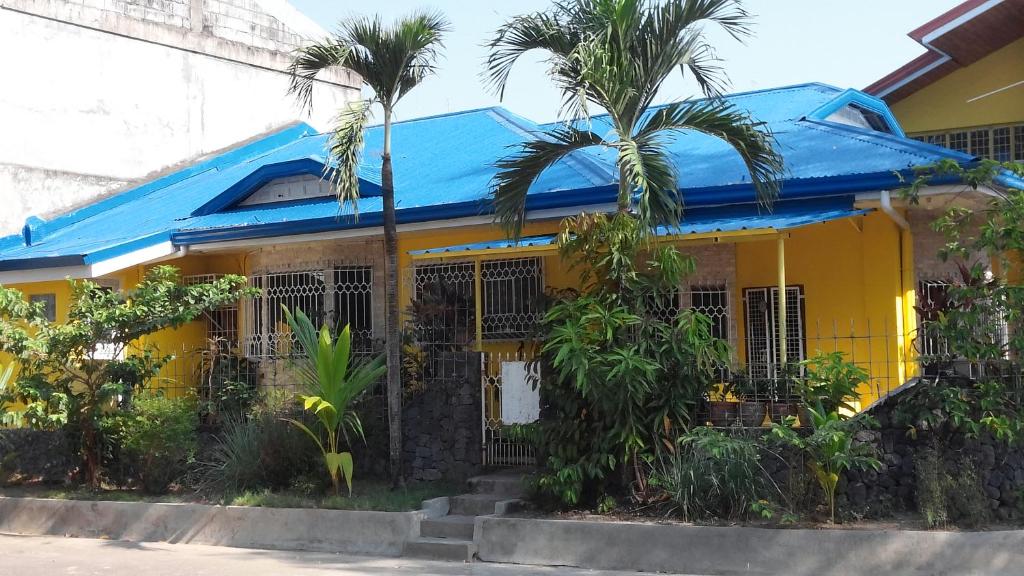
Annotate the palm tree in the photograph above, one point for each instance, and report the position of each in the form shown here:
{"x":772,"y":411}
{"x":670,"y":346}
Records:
{"x":391,"y":60}
{"x":615,"y":55}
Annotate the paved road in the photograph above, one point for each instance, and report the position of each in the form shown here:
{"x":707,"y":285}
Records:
{"x":50,"y":556}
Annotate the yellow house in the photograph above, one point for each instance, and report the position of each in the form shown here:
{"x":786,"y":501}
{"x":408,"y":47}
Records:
{"x":847,"y":256}
{"x":966,"y":92}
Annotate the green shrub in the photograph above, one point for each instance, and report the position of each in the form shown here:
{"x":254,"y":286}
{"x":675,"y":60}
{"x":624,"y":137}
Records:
{"x":257,"y":451}
{"x":158,"y":435}
{"x":712,"y":474}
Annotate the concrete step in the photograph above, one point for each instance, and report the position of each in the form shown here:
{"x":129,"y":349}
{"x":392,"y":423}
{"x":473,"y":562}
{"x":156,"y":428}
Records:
{"x":440,"y":549}
{"x":455,"y":527}
{"x":474,"y":504}
{"x":506,"y":485}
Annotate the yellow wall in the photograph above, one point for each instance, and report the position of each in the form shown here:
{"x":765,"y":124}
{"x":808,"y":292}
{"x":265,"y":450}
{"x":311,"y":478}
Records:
{"x":943,"y":104}
{"x":850,"y":271}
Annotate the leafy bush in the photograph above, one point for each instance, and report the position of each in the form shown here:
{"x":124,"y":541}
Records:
{"x":68,"y":379}
{"x":830,"y":383}
{"x":829,"y":450}
{"x":158,"y":434}
{"x":713,"y":475}
{"x":255,"y":452}
{"x":228,"y":385}
{"x":618,"y":384}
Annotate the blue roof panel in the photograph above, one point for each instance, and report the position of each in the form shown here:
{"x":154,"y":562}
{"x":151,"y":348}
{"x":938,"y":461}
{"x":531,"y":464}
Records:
{"x":785,"y":215}
{"x":444,"y":166}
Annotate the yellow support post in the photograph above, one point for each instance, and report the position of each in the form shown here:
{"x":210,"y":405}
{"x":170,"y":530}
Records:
{"x":478,"y":304}
{"x":782,"y":301}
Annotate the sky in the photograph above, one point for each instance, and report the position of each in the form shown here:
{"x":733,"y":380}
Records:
{"x":847,"y":44}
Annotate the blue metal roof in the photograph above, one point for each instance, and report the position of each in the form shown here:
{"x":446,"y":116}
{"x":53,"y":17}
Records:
{"x":444,"y":167}
{"x":785,"y":215}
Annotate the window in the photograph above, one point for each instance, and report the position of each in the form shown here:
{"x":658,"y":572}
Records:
{"x":335,"y":296}
{"x":713,"y":302}
{"x":860,"y":116}
{"x":49,"y":302}
{"x":222,"y":323}
{"x":511,"y":298}
{"x":1000,"y":143}
{"x":444,"y":307}
{"x":933,"y":299}
{"x":958,"y":141}
{"x":979,"y":143}
{"x":761,"y":307}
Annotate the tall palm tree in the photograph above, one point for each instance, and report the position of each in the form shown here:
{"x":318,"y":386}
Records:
{"x":614,"y":55}
{"x":391,"y":60}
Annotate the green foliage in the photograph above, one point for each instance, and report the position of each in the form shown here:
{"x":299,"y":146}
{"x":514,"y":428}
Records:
{"x":228,"y":385}
{"x":74,"y":372}
{"x":9,"y":418}
{"x":969,"y":317}
{"x":618,"y":383}
{"x":331,"y":385}
{"x":713,"y":475}
{"x":158,"y":434}
{"x":949,"y":492}
{"x":830,"y":383}
{"x":829,"y":449}
{"x":614,"y":56}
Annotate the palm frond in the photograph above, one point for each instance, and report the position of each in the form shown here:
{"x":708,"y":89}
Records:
{"x":751,"y":139}
{"x":652,"y":177}
{"x":517,"y":172}
{"x":546,"y":31}
{"x":309,"y":61}
{"x":345,"y":147}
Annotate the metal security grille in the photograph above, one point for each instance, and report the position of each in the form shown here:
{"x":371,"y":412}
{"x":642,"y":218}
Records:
{"x":761,"y":308}
{"x":933,"y":299}
{"x":221,"y":323}
{"x":444,"y":306}
{"x":713,"y":302}
{"x":334,"y":296}
{"x":512,"y":291}
{"x":499,"y":448}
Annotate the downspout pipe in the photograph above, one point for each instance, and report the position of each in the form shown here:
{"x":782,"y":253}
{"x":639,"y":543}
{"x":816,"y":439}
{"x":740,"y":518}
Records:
{"x":886,"y":204}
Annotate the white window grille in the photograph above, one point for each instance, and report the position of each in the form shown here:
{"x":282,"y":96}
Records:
{"x":444,"y":309}
{"x":221,"y":323}
{"x":1000,"y":143}
{"x":511,"y":298}
{"x":712,"y":300}
{"x":934,"y":299}
{"x":761,"y":307}
{"x":334,"y":296}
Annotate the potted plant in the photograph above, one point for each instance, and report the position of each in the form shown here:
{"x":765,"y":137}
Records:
{"x":721,"y":411}
{"x":751,"y":408}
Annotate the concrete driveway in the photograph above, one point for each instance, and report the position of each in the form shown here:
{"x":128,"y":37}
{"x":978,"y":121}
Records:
{"x":52,"y":556}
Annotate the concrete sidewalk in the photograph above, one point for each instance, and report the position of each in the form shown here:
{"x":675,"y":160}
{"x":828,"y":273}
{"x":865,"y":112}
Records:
{"x":52,"y":556}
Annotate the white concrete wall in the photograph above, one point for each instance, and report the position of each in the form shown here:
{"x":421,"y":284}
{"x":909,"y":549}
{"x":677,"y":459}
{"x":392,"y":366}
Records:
{"x":102,"y":94}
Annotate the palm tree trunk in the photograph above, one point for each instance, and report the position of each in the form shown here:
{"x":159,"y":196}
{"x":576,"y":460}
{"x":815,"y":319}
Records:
{"x":625,"y":199}
{"x":392,"y":336}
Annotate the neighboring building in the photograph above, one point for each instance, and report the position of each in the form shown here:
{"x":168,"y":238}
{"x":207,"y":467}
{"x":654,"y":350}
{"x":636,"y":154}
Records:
{"x":844,"y":257}
{"x":967,"y":91}
{"x":100,"y":95}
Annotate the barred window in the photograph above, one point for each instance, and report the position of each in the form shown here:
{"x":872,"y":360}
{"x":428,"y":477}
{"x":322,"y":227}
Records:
{"x":934,"y":298}
{"x":1000,"y":143}
{"x":444,"y":303}
{"x":335,"y":296}
{"x":761,"y":307}
{"x":713,"y":302}
{"x":221,"y":323}
{"x":512,"y":291}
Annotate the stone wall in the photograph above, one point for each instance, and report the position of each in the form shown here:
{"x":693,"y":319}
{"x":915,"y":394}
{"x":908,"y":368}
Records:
{"x":999,"y":467}
{"x":441,"y":422}
{"x":35,"y":456}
